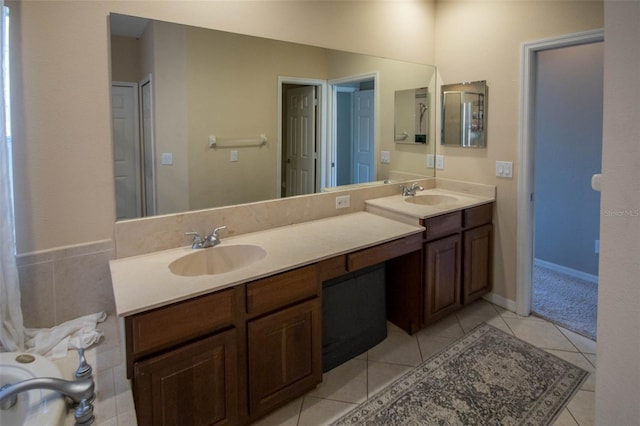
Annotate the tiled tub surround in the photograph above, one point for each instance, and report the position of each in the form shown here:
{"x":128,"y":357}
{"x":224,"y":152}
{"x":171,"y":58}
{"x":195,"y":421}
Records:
{"x":65,"y":283}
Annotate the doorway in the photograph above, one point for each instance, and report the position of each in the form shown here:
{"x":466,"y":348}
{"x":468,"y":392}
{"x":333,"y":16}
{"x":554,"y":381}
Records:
{"x":330,"y":144}
{"x":568,"y":152}
{"x":133,"y":148}
{"x":126,"y":150}
{"x":353,"y":135}
{"x":538,"y":172}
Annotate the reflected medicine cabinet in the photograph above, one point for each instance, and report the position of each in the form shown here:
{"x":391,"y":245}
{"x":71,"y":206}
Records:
{"x":464,"y":117}
{"x":411,"y":116}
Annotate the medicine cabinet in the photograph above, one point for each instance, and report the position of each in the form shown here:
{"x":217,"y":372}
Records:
{"x":464,"y":114}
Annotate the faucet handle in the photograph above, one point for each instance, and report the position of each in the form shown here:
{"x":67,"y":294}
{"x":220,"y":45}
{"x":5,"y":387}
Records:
{"x":216,"y":231}
{"x":197,"y":239}
{"x":84,"y":369}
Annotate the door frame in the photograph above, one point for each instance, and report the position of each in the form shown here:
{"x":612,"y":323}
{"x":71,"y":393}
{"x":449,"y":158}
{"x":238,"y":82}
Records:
{"x":526,"y":160}
{"x":321,"y":125}
{"x":149,"y":190}
{"x":331,"y":149}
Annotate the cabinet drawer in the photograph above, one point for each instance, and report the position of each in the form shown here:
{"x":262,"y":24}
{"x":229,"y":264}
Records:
{"x":332,"y":268}
{"x":383,"y":252}
{"x":441,"y":226}
{"x":281,"y":290}
{"x":182,"y":321}
{"x":476,"y":216}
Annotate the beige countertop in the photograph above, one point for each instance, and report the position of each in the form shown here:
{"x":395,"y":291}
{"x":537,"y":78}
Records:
{"x":398,"y":207}
{"x":144,"y":282}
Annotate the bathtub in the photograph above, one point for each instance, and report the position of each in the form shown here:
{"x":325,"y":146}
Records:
{"x":36,"y":407}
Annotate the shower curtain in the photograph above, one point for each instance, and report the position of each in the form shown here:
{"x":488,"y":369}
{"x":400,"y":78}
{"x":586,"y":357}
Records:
{"x":53,"y":342}
{"x":12,"y":330}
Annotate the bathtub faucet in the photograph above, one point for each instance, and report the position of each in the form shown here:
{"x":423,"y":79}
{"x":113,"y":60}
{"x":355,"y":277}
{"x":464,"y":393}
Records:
{"x":80,"y":391}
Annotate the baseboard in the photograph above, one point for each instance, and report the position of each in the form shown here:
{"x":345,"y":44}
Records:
{"x":503,"y":302}
{"x":567,"y":271}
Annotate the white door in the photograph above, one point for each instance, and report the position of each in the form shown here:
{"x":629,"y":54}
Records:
{"x":300,"y":141}
{"x":363,"y":140}
{"x":126,"y":150}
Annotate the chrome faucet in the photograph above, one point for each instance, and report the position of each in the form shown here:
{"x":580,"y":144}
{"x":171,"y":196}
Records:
{"x":81,"y":391}
{"x":210,"y":240}
{"x":410,"y":191}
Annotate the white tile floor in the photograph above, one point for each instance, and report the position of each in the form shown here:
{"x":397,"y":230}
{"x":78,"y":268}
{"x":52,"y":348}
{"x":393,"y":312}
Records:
{"x":353,"y":382}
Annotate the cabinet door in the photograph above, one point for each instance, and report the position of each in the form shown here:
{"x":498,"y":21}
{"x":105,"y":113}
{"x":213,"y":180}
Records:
{"x":477,"y":263}
{"x":442,"y":277}
{"x":193,"y":385}
{"x":285,"y":356}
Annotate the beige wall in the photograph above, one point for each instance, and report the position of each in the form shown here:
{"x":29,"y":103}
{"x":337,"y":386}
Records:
{"x":233,"y":94}
{"x":64,"y":178}
{"x":481,"y":41}
{"x":125,"y":59}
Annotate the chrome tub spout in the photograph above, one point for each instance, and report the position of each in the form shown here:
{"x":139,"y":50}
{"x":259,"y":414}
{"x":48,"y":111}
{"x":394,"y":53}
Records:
{"x":77,"y":390}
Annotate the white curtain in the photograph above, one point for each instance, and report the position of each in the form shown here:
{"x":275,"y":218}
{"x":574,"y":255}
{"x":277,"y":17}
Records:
{"x":12,"y":331}
{"x":53,"y":342}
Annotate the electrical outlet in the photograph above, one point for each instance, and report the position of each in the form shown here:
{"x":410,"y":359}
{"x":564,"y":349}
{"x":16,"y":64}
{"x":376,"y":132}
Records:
{"x":385,"y":157}
{"x":431,"y":161}
{"x":343,"y":201}
{"x":234,"y":155}
{"x":440,"y":162}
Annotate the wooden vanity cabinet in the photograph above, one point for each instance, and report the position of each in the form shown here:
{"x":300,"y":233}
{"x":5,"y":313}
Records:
{"x":455,"y":269}
{"x":195,"y":384}
{"x":234,"y":355}
{"x":442,"y":266}
{"x":477,"y":252}
{"x":284,"y":332}
{"x":183,"y":362}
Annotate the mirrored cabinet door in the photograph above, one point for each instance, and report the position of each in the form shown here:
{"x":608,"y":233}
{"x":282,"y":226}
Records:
{"x":464,"y":114}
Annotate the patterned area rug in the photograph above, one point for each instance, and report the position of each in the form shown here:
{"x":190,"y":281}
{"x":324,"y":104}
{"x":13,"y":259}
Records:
{"x":486,"y":378}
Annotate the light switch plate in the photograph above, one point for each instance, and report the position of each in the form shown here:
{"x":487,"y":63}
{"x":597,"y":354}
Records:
{"x":431,"y":161}
{"x":234,"y":155}
{"x":504,"y":169}
{"x":385,"y":157}
{"x":440,"y":162}
{"x":167,"y":158}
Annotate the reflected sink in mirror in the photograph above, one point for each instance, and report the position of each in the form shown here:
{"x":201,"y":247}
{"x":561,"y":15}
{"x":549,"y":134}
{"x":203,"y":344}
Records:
{"x":431,"y":199}
{"x":217,"y":260}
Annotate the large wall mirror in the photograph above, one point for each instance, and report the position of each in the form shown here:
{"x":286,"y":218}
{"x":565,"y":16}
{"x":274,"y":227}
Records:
{"x":464,"y":114}
{"x":205,"y":118}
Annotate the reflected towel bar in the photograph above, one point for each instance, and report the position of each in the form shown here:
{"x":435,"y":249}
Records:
{"x":231,"y":142}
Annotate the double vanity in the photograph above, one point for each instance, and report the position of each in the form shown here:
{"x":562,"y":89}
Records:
{"x":227,"y":334}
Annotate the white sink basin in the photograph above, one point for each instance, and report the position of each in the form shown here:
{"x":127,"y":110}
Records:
{"x":36,"y":407}
{"x":431,"y":199}
{"x":217,"y":260}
